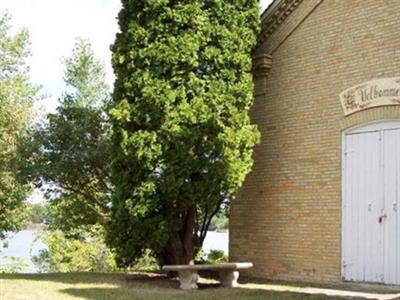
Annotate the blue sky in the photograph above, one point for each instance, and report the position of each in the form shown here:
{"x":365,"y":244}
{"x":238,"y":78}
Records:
{"x":54,"y":25}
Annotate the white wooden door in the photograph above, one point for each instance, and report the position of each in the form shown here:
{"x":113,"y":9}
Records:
{"x":370,"y":233}
{"x":391,"y":139}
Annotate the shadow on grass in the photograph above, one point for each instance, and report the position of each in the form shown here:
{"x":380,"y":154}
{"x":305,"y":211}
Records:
{"x":154,"y":278}
{"x":69,"y":278}
{"x":150,"y":286}
{"x":208,"y":294}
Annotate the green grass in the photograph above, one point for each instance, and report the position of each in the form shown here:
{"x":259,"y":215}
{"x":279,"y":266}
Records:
{"x":88,"y":286}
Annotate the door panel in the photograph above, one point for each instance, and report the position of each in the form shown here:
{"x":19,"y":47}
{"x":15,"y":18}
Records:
{"x":391,"y":140}
{"x":362,"y":235}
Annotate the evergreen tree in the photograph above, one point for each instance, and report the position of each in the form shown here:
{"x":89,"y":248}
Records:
{"x":182,"y":134}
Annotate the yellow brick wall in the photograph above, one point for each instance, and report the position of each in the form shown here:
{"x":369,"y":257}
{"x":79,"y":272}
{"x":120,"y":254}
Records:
{"x":287,"y":217}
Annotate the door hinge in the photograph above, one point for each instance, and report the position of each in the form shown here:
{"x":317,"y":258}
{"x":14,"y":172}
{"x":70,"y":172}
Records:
{"x":348,"y":152}
{"x":346,"y":263}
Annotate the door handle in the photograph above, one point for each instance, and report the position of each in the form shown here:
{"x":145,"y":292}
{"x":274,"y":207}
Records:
{"x":381,"y":218}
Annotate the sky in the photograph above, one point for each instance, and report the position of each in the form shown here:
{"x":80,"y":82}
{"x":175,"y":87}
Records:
{"x":54,"y":26}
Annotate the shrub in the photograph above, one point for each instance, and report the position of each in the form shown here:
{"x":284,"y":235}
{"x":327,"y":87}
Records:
{"x":146,"y":263}
{"x":216,"y":257}
{"x":213,"y":257}
{"x":13,"y":265}
{"x":86,"y":253}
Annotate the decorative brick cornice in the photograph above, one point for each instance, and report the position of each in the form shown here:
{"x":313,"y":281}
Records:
{"x":262,"y":65}
{"x":278,"y":14}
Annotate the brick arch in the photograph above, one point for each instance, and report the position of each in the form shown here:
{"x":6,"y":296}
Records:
{"x":370,"y":115}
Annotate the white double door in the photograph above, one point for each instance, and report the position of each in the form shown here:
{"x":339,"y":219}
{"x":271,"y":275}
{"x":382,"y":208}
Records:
{"x":371,"y":192}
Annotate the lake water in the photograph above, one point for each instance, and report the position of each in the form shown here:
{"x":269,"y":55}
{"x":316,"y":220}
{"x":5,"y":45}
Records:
{"x":24,"y":244}
{"x":216,"y":241}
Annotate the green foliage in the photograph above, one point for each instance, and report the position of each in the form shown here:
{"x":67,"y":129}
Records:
{"x":13,"y":265}
{"x":67,"y":155}
{"x":37,"y":213}
{"x":216,"y":257}
{"x":220,"y":222}
{"x":200,"y":256}
{"x":213,"y":257}
{"x":85,"y":76}
{"x":146,"y":263}
{"x":182,"y":134}
{"x":88,"y":253}
{"x":16,"y":97}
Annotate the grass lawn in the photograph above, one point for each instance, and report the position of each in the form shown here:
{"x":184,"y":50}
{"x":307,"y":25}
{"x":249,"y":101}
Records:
{"x":88,"y":286}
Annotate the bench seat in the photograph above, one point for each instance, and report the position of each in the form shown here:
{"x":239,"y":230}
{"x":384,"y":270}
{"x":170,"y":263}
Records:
{"x":188,"y":276}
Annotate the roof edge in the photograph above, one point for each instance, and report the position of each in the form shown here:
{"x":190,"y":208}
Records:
{"x":269,"y":9}
{"x":274,"y":15}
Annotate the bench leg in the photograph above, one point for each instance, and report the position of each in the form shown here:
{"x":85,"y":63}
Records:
{"x":229,"y":278}
{"x":188,"y":280}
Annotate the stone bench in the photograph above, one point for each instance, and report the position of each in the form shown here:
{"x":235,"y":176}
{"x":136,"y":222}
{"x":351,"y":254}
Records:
{"x":188,"y":276}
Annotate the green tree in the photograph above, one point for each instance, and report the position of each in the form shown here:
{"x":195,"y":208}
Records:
{"x":67,"y":155}
{"x":37,"y":213}
{"x":16,"y":98}
{"x":182,"y":140}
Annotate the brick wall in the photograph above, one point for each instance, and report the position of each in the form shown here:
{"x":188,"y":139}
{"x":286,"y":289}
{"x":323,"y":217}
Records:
{"x":287,"y":217}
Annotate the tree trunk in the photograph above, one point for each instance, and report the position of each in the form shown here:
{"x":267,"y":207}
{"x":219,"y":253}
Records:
{"x":180,"y":246}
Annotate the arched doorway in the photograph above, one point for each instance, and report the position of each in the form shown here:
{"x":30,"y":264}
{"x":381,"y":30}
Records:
{"x":371,"y":191}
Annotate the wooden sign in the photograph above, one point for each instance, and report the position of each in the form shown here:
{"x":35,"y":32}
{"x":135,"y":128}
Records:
{"x":380,"y":92}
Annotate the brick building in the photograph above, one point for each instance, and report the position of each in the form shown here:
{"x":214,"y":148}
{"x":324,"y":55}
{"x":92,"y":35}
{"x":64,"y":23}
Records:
{"x":321,"y":202}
